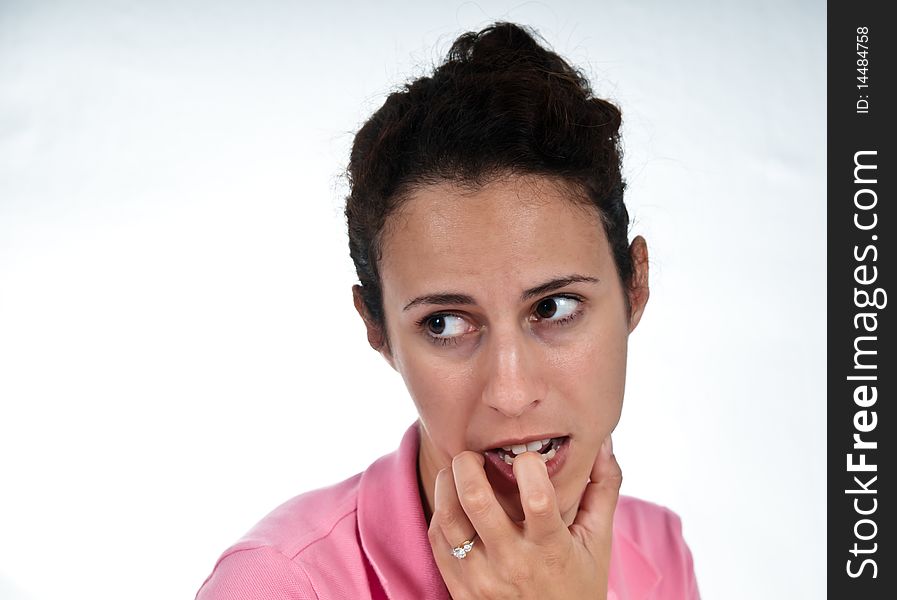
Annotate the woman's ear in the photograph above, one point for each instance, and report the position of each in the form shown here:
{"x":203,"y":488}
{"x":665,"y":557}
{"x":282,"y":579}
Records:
{"x":376,"y":336}
{"x":638,"y":291}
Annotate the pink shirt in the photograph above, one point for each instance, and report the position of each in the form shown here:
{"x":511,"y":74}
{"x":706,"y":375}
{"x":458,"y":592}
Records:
{"x":367,"y":538}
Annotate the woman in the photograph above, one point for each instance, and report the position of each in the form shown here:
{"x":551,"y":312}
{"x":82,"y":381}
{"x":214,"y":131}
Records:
{"x":488,"y":229}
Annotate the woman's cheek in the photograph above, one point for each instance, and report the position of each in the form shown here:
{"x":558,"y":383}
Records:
{"x":436,"y":386}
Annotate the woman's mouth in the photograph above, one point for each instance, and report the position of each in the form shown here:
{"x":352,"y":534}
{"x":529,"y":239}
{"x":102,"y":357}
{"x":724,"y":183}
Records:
{"x":500,"y":461}
{"x":547,"y":448}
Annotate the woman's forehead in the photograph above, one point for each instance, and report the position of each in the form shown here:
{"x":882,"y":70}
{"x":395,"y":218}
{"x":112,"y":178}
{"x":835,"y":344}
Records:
{"x":506,"y":233}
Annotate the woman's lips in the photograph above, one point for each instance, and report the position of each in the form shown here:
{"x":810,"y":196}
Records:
{"x":503,"y":473}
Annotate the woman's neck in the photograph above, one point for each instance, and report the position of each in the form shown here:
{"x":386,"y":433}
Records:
{"x":427,"y":468}
{"x":424,"y":500}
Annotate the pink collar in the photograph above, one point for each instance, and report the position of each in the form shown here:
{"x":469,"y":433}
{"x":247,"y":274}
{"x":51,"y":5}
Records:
{"x":393,"y":534}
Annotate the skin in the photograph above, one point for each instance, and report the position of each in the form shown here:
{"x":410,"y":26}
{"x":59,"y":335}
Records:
{"x":515,"y":371}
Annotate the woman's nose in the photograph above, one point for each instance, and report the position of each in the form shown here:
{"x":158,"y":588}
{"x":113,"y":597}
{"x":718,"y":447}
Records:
{"x":512,"y":383}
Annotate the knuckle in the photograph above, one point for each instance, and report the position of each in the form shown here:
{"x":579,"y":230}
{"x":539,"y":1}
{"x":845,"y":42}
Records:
{"x":519,"y":575}
{"x":554,"y":557}
{"x":476,"y":500}
{"x":615,"y":467}
{"x":614,"y":481}
{"x":447,"y":518}
{"x":461,"y":458}
{"x":553,"y":560}
{"x":540,"y":504}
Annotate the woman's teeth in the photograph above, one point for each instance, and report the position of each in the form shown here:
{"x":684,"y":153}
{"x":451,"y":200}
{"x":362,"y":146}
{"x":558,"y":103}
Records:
{"x":509,"y":453}
{"x":533,"y":446}
{"x":545,"y":457}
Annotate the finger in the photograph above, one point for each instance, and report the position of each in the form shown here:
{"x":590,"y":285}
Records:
{"x":596,"y":509}
{"x":455,"y":573}
{"x":442,"y":552}
{"x":543,"y":523}
{"x":448,"y":514}
{"x":478,"y":500}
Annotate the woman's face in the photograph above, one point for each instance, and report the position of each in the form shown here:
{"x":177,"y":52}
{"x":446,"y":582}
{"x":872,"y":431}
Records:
{"x":507,"y":320}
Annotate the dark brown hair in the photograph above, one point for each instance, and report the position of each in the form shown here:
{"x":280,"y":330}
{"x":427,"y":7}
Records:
{"x":500,"y":103}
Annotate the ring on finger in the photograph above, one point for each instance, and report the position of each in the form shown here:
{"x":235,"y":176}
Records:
{"x":463,"y":549}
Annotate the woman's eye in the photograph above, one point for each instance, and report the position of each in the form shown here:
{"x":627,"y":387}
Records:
{"x":445,"y":329}
{"x":448,"y":329}
{"x":557,"y":309}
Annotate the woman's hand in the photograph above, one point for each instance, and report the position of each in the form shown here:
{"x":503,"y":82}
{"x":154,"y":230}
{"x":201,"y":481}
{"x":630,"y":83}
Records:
{"x":539,"y":558}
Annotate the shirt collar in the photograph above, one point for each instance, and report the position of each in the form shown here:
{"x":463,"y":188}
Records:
{"x":393,"y":534}
{"x":392,"y":525}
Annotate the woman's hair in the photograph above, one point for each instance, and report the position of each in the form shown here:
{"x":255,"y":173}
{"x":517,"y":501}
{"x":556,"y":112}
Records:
{"x":499,"y":104}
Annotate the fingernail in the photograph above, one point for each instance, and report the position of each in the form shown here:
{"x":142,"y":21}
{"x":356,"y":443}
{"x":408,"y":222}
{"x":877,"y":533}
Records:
{"x":607,"y":447}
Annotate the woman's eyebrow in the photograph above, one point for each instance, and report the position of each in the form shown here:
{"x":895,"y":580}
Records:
{"x":555,"y":284}
{"x":542,"y":288}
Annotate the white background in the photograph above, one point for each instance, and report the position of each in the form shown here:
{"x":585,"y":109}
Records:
{"x":179,"y":352}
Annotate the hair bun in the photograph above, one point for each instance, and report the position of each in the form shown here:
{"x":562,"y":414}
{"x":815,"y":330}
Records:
{"x":504,"y":47}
